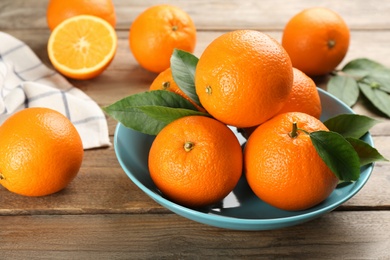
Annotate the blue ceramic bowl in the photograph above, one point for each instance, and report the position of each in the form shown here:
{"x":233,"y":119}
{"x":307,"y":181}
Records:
{"x":241,"y":209}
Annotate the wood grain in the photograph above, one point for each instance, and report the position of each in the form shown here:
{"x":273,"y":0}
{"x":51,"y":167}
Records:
{"x":214,"y":15}
{"x":338,"y":235}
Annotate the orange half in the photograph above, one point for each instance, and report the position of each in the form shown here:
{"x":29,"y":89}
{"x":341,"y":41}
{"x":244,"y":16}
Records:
{"x":82,"y":46}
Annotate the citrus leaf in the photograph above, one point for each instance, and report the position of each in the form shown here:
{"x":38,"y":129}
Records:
{"x":350,"y":125}
{"x":345,"y":88}
{"x":148,"y":112}
{"x":183,"y":65}
{"x":361,"y":67}
{"x":168,"y":114}
{"x":379,"y":98}
{"x":154,"y":98}
{"x":378,"y":79}
{"x":338,"y":154}
{"x":367,"y":154}
{"x":373,"y":80}
{"x":370,"y":72}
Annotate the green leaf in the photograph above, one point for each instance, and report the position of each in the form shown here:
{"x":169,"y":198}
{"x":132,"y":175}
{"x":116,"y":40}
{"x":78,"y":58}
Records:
{"x":379,"y":80}
{"x":338,"y":154}
{"x":362,"y":67}
{"x":370,"y":72}
{"x":167,"y":114}
{"x":345,"y":88}
{"x":350,"y":125}
{"x":183,"y":65}
{"x":367,"y":154}
{"x":148,"y":112}
{"x":373,"y":80}
{"x":379,"y":98}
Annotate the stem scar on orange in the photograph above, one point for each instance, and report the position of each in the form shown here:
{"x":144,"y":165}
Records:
{"x":195,"y":161}
{"x":243,"y":78}
{"x":40,"y":152}
{"x":282,"y":166}
{"x":317,"y":40}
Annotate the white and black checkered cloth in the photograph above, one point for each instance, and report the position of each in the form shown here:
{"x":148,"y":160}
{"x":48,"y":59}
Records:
{"x":26,"y":82}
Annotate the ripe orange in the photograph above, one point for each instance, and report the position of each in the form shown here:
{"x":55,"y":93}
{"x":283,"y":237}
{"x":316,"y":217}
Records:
{"x":317,"y":40}
{"x":304,"y":96}
{"x":165,"y":81}
{"x":195,"y":161}
{"x":156,"y":32}
{"x":40,"y":152}
{"x":60,"y":10}
{"x":82,"y":46}
{"x":243,"y":78}
{"x":285,"y":171}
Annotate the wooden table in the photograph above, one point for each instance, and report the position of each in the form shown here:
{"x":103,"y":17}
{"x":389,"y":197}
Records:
{"x":103,"y":215}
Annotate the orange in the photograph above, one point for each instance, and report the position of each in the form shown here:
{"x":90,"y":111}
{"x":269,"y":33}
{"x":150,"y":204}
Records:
{"x":304,"y":96}
{"x":317,"y":40}
{"x":82,"y":47}
{"x":156,"y":32}
{"x":243,"y":78}
{"x":195,"y":161}
{"x":60,"y":10}
{"x":165,"y":81}
{"x":40,"y":152}
{"x":283,"y":170}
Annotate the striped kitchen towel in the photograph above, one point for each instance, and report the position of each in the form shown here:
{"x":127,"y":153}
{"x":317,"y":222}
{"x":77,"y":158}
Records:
{"x":26,"y":82}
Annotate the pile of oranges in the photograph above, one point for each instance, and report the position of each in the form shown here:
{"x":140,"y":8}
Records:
{"x":244,"y":78}
{"x":247,"y":79}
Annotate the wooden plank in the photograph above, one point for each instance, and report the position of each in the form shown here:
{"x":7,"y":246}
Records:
{"x":235,"y":14}
{"x":102,"y":187}
{"x":213,"y":15}
{"x":338,"y":235}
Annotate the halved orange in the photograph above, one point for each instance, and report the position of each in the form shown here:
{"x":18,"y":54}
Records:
{"x":82,"y":46}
